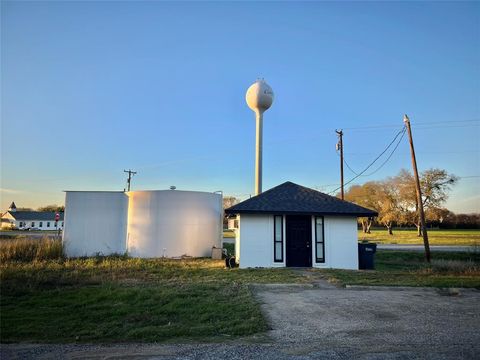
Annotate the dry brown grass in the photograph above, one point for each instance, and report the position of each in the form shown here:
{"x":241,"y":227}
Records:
{"x":456,"y":267}
{"x":27,"y":250}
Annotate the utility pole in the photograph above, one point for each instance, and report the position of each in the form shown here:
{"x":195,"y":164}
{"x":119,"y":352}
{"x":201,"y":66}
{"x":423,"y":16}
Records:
{"x":340,"y":147}
{"x":129,"y":179}
{"x":421,"y":213}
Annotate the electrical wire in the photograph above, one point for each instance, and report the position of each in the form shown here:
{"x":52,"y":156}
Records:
{"x":348,"y":166}
{"x":415,"y":124}
{"x":374,"y":161}
{"x":389,"y":156}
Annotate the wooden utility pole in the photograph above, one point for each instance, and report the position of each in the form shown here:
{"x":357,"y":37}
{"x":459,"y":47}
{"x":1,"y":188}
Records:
{"x":340,"y":147}
{"x":421,"y":213}
{"x":129,"y":180}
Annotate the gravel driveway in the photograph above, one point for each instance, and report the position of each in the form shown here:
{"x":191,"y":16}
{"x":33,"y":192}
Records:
{"x":376,"y":322}
{"x":321,"y":322}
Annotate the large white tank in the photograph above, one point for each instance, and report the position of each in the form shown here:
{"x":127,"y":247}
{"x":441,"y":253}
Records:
{"x":173,"y":223}
{"x":95,"y":223}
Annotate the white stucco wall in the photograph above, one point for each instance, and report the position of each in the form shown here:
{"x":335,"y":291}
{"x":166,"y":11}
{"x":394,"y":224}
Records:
{"x":255,"y":237}
{"x":341,"y":243}
{"x":173,"y":223}
{"x":254,"y":242}
{"x":95,"y":223}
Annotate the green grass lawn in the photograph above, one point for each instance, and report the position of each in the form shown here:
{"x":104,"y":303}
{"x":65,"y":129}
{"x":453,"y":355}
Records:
{"x":119,"y":299}
{"x":436,"y":237}
{"x":408,"y":268}
{"x":45,"y":298}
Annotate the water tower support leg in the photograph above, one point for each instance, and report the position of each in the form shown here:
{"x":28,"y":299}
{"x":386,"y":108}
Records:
{"x":258,"y":153}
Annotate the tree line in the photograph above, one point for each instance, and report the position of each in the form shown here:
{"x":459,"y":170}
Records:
{"x":50,"y":208}
{"x":395,"y":201}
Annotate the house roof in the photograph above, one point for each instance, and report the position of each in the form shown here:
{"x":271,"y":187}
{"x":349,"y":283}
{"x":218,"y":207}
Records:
{"x":290,"y":198}
{"x":34,"y":215}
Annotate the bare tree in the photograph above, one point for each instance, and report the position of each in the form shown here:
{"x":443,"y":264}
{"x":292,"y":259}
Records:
{"x":229,"y":201}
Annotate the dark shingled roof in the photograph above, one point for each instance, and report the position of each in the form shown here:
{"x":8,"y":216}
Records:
{"x":35,"y":215}
{"x":290,"y":198}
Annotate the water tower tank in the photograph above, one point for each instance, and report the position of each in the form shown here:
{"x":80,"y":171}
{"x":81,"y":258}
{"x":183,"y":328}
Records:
{"x":259,"y":96}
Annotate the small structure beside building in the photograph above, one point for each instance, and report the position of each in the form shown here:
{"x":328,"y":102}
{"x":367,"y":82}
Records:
{"x":295,"y":226}
{"x":14,"y":219}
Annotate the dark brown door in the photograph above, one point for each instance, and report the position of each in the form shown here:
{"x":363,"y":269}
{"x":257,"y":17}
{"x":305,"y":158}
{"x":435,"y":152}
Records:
{"x":299,"y":241}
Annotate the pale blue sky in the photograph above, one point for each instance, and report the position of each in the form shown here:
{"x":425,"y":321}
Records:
{"x":92,"y":88}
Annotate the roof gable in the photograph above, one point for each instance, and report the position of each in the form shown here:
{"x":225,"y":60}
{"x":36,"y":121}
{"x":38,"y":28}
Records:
{"x":290,"y":198}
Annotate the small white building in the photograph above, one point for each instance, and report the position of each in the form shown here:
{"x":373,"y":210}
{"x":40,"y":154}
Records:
{"x":294,"y":226}
{"x":14,"y":219}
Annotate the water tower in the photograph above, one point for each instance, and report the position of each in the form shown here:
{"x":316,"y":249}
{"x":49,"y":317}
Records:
{"x":259,"y":98}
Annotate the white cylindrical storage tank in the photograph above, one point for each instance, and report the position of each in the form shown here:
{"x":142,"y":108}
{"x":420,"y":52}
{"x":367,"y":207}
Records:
{"x":173,"y":223}
{"x":95,"y":223}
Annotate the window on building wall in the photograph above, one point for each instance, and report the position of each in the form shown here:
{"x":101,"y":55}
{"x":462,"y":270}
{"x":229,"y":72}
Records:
{"x":40,"y":224}
{"x":62,"y":223}
{"x":278,"y":238}
{"x":48,"y":223}
{"x":20,"y":224}
{"x":319,"y":240}
{"x":33,"y":223}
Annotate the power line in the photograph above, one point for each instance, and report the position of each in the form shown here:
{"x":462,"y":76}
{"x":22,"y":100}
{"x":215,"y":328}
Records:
{"x":375,"y":160}
{"x":389,"y":156}
{"x":348,"y":166}
{"x":379,"y":126}
{"x":318,"y":187}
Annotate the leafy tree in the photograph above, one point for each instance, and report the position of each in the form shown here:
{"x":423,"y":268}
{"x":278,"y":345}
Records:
{"x":395,"y":198}
{"x":364,"y":195}
{"x":389,"y":203}
{"x":381,"y":196}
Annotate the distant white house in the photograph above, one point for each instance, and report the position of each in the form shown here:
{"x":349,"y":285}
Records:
{"x":232,"y":223}
{"x":30,"y":220}
{"x":294,"y":226}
